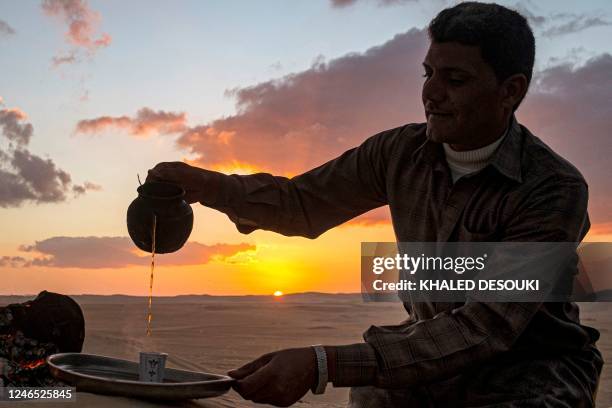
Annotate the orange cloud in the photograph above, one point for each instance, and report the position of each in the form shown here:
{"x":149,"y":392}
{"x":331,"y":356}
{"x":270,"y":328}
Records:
{"x":237,"y":167}
{"x":146,"y":122}
{"x":194,"y":253}
{"x":292,"y":124}
{"x":298,"y":122}
{"x":82,"y":25}
{"x":114,"y":252}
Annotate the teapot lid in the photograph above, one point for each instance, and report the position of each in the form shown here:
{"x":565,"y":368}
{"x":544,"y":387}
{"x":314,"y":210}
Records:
{"x":161,"y":190}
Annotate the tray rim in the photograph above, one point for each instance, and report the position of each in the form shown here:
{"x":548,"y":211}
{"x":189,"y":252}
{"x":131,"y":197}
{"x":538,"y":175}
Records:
{"x":54,"y":366}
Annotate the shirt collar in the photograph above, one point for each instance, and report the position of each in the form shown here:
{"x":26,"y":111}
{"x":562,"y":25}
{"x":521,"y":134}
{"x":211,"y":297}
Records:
{"x":506,"y":159}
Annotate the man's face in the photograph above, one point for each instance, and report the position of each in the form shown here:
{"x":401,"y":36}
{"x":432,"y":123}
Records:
{"x":461,"y":97}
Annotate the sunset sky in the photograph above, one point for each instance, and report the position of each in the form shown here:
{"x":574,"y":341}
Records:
{"x":93,"y":93}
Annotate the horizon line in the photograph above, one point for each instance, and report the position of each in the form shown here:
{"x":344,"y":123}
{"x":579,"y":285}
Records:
{"x":190,"y":294}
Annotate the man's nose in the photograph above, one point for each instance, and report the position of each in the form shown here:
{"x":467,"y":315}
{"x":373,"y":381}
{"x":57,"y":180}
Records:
{"x":433,"y":90}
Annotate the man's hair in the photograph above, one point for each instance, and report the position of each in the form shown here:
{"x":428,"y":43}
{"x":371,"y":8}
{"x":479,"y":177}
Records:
{"x":504,"y":37}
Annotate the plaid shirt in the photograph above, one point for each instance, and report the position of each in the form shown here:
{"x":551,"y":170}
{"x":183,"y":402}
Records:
{"x":525,"y":193}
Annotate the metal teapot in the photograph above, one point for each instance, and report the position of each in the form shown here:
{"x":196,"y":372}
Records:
{"x":160,"y":206}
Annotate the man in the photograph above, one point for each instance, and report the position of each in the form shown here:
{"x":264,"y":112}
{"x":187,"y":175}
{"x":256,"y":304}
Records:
{"x":471,"y":173}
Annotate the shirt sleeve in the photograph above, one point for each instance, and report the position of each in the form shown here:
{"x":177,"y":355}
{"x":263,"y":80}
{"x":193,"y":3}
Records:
{"x":410,"y":354}
{"x":310,"y":203}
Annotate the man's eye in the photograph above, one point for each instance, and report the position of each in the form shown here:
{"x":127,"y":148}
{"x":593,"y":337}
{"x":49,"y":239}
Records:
{"x":456,"y":81}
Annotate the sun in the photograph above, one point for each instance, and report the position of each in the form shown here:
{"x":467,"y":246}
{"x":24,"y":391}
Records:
{"x":278,"y":293}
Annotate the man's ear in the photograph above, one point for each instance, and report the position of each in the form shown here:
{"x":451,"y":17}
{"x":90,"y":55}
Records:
{"x":513,"y":90}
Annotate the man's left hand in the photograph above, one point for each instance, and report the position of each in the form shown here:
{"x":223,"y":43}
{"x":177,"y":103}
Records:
{"x":280,"y":378}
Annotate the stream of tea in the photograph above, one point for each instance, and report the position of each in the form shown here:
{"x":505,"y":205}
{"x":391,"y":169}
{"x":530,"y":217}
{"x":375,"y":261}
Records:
{"x":150,"y":305}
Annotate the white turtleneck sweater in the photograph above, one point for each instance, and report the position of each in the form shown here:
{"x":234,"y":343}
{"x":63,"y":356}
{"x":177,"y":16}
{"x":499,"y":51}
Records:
{"x":469,"y":161}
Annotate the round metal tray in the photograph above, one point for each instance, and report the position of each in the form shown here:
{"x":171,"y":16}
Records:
{"x":112,"y":376}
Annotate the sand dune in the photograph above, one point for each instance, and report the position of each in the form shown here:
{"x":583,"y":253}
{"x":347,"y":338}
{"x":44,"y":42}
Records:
{"x":216,"y":334}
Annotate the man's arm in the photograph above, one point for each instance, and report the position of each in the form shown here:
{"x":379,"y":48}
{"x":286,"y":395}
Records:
{"x":311,"y":203}
{"x":433,"y":349}
{"x":306,"y":205}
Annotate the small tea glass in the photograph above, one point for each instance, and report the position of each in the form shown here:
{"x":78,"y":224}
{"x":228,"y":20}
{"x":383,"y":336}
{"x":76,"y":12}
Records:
{"x":152,"y":366}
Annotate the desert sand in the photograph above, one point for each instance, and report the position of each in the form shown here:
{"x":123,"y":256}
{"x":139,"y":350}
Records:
{"x":216,"y":334}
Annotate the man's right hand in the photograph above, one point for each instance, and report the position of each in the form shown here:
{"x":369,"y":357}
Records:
{"x":199,"y":184}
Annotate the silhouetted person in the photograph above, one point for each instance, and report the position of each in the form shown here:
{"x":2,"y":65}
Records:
{"x":470,"y":173}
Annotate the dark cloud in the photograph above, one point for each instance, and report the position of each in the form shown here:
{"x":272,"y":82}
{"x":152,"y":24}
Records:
{"x":6,"y":29}
{"x":13,"y":261}
{"x":25,"y":176}
{"x":13,"y":190}
{"x":574,"y":24}
{"x":69,"y":58}
{"x":10,"y":127}
{"x":87,"y":186}
{"x":47,"y":182}
{"x":534,"y":20}
{"x":82,"y":23}
{"x":115,"y":252}
{"x":33,"y":178}
{"x":146,"y":122}
{"x":342,"y":3}
{"x":570,"y":107}
{"x":559,"y":23}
